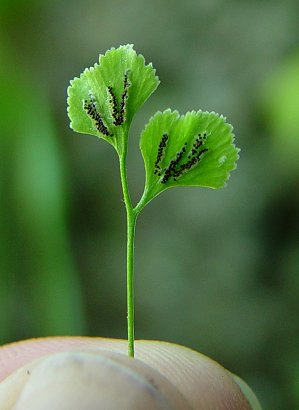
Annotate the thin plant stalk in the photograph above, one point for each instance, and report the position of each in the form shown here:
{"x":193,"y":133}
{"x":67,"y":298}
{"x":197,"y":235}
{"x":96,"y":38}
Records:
{"x":131,"y":223}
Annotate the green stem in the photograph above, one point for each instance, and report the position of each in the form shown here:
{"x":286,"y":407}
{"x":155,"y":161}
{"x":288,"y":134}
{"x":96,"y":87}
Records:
{"x":131,"y":223}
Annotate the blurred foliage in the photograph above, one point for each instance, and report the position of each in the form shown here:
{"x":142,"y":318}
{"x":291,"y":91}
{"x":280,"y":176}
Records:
{"x":280,"y":97}
{"x":215,"y":270}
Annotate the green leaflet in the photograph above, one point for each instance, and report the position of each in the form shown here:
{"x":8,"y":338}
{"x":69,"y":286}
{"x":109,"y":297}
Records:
{"x":104,"y":99}
{"x":193,"y":149}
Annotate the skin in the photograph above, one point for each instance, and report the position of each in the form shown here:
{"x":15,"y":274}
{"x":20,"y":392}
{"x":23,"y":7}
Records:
{"x":95,"y":373}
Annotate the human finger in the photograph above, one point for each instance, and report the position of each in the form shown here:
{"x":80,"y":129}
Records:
{"x":200,"y":381}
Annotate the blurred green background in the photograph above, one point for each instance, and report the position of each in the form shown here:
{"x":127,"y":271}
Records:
{"x":215,"y":270}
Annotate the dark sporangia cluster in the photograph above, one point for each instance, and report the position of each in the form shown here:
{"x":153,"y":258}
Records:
{"x":175,"y":168}
{"x":171,"y":170}
{"x":161,"y":149}
{"x":118,"y":112}
{"x":91,"y":109}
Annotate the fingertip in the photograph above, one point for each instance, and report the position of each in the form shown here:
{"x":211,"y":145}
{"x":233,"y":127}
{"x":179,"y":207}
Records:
{"x":203,"y":382}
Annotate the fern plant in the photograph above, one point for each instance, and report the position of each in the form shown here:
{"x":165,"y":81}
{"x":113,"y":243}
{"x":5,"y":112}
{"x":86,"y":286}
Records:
{"x":196,"y":148}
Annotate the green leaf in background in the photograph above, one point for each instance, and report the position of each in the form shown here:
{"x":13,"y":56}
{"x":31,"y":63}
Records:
{"x":280,"y":102}
{"x":36,"y":261}
{"x":193,"y":149}
{"x":103,"y":101}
